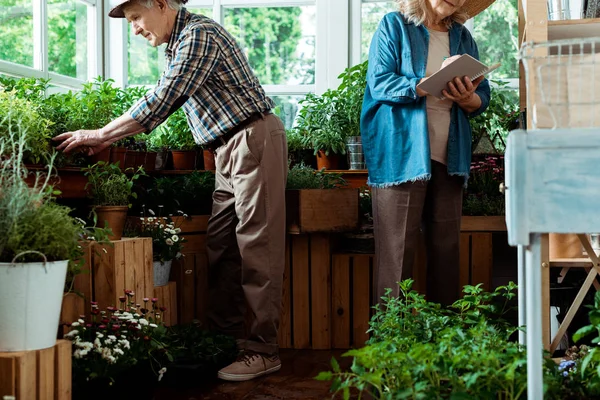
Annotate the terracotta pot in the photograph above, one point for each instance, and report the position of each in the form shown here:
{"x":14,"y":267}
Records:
{"x":132,"y":159}
{"x":115,"y":216}
{"x":104,"y":155}
{"x":209,"y":160}
{"x":184,"y":159}
{"x":150,"y":161}
{"x":117,"y":154}
{"x":332,"y":161}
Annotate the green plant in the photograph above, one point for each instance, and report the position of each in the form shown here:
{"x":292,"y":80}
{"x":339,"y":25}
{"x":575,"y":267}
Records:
{"x":178,"y":133}
{"x":108,"y":185}
{"x":500,"y":116}
{"x":302,"y":177}
{"x":191,"y":192}
{"x":324,"y":121}
{"x":19,"y":114}
{"x":30,"y":219}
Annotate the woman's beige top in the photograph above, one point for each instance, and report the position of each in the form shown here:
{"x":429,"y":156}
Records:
{"x":438,"y":111}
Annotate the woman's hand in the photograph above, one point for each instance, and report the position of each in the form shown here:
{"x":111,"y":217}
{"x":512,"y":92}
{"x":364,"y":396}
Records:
{"x":462,"y":91}
{"x":89,"y":141}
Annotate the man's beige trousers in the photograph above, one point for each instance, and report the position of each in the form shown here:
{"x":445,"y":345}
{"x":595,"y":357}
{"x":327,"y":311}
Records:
{"x":246,"y":234}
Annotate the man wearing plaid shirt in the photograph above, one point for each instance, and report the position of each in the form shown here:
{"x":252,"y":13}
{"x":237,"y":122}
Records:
{"x":208,"y":75}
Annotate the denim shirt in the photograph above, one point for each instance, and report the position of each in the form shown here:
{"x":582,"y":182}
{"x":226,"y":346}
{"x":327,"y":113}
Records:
{"x":394,"y":119}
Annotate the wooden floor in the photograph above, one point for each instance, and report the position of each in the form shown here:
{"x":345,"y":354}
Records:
{"x":295,"y":380}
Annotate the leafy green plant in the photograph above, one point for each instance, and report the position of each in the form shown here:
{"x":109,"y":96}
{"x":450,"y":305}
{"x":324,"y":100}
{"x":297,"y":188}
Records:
{"x":499,"y":118}
{"x":302,"y":177}
{"x":108,"y":185}
{"x":177,"y":132}
{"x":30,"y":219}
{"x":191,"y":192}
{"x":19,"y":114}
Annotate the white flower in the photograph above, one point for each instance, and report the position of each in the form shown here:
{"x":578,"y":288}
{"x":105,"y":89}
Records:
{"x":150,"y":219}
{"x":153,"y":326}
{"x":177,"y":230}
{"x":151,"y":212}
{"x":143,"y":321}
{"x":75,"y":324}
{"x":174,"y":238}
{"x":112,"y":337}
{"x":141,"y":218}
{"x":169,"y":242}
{"x":99,"y":335}
{"x":119,"y":351}
{"x":161,"y":372}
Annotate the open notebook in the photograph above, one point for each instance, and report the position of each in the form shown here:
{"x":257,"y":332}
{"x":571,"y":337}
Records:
{"x":465,"y":65}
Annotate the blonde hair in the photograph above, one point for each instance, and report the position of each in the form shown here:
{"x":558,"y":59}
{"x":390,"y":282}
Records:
{"x":418,"y":12}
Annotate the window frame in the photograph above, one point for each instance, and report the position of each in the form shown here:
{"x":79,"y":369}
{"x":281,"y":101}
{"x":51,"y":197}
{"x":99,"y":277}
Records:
{"x":40,"y":67}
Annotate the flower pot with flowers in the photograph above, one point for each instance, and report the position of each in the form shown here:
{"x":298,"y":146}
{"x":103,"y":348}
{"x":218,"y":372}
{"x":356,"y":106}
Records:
{"x":166,"y":243}
{"x":117,"y":347}
{"x":38,"y":239}
{"x":110,"y":189}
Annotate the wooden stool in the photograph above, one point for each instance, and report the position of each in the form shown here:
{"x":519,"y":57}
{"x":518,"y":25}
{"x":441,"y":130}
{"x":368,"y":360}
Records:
{"x":37,"y":374}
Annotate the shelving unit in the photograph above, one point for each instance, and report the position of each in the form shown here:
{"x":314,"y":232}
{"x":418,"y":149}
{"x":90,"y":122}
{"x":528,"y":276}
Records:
{"x":534,"y":206}
{"x":573,"y":28}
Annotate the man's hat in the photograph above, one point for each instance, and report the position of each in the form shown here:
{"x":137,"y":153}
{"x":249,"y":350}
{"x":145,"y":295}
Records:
{"x":117,"y":11}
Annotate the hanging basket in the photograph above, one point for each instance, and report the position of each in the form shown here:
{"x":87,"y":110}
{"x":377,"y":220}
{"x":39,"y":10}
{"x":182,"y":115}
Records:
{"x":30,"y":303}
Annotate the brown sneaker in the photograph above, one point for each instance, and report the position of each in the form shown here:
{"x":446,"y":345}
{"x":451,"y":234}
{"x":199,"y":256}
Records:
{"x":250,"y":365}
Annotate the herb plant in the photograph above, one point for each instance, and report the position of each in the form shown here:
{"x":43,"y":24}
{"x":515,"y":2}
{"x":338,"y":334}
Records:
{"x":30,"y":219}
{"x":302,"y":177}
{"x":108,"y":185}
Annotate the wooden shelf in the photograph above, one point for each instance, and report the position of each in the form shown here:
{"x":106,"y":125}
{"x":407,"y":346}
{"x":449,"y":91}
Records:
{"x":583,"y":262}
{"x":573,"y":28}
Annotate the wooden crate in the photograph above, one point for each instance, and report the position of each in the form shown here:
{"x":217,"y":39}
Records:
{"x":37,"y":375}
{"x":191,"y":272}
{"x":351,"y":286}
{"x":322,"y":210}
{"x":122,"y":264}
{"x":73,"y":306}
{"x":305,"y":318}
{"x":167,"y":297}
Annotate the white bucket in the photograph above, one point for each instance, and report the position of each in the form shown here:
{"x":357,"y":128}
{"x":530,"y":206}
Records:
{"x":30,"y":302}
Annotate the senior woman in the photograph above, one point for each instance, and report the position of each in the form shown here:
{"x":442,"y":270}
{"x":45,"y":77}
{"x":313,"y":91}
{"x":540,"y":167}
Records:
{"x":417,"y":147}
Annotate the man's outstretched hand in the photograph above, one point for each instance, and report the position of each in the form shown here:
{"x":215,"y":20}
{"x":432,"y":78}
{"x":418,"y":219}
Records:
{"x":89,"y":142}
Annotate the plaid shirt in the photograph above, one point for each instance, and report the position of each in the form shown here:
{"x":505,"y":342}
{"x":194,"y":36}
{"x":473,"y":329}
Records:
{"x":209,"y":75}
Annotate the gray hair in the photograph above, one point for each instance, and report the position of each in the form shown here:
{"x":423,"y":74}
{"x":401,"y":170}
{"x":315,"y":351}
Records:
{"x":418,"y":12}
{"x":173,"y":4}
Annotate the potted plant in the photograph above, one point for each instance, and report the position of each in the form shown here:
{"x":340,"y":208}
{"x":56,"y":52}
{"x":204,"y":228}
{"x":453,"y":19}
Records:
{"x":158,"y":142}
{"x":182,"y":144}
{"x":309,"y":197}
{"x":38,"y":239}
{"x":35,"y":128}
{"x":166,"y":244}
{"x":110,"y":190}
{"x":299,"y":151}
{"x":317,"y":126}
